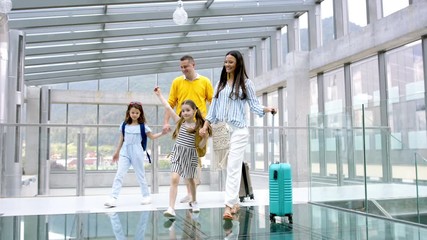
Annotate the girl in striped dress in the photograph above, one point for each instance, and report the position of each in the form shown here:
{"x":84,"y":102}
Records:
{"x":184,"y":158}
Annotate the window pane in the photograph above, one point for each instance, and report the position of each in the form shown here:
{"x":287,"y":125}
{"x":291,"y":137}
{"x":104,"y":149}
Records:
{"x":58,"y":113}
{"x":143,"y":83}
{"x":285,"y":49}
{"x":165,"y":81}
{"x":314,"y":96}
{"x":303,"y":25}
{"x":365,"y":90}
{"x":391,"y":6}
{"x":327,"y":15}
{"x":82,"y":114}
{"x":112,"y":114}
{"x":58,"y":86}
{"x":405,"y":77}
{"x":357,"y":15}
{"x":113,"y":84}
{"x":334,"y":91}
{"x":406,"y":110}
{"x":57,"y":137}
{"x":86,"y":85}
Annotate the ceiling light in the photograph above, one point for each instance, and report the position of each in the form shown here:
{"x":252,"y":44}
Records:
{"x":5,"y":6}
{"x":180,"y":16}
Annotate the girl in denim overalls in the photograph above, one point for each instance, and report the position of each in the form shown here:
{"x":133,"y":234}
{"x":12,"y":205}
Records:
{"x":130,"y":152}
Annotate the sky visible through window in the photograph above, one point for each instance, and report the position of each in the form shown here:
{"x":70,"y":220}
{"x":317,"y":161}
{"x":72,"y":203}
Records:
{"x":389,"y":7}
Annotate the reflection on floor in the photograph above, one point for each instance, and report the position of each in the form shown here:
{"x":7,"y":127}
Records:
{"x":251,"y":222}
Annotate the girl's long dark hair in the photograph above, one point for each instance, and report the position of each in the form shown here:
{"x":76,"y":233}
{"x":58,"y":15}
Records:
{"x":240,"y":77}
{"x":138,"y":106}
{"x":199,"y":120}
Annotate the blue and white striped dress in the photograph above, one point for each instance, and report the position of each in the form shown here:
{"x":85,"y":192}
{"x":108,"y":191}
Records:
{"x":184,"y":157}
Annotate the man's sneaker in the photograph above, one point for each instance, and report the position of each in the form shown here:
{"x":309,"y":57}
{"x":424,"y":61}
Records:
{"x":195,"y":207}
{"x":112,"y":202}
{"x":146,"y":200}
{"x":185,"y":199}
{"x":170,"y":213}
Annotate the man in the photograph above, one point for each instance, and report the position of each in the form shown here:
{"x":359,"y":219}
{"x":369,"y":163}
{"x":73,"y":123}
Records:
{"x":191,"y":86}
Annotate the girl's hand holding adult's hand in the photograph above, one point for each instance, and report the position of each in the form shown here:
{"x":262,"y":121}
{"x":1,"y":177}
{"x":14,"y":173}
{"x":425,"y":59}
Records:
{"x":165,"y":131}
{"x":202,"y":132}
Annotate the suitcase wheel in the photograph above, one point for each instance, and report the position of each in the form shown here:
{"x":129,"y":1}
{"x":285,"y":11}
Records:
{"x":291,"y":221}
{"x":272,"y":218}
{"x":252,"y":196}
{"x":242,"y":199}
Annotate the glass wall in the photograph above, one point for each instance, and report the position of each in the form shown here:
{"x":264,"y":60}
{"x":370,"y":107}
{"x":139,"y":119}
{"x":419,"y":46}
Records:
{"x":258,"y":136}
{"x":374,"y":152}
{"x":364,"y":78}
{"x":82,"y":114}
{"x":101,"y":141}
{"x":406,"y":105}
{"x":334,"y":95}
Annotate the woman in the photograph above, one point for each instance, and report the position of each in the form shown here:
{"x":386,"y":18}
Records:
{"x":233,"y":91}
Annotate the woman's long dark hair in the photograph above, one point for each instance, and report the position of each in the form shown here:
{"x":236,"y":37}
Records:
{"x":240,"y":77}
{"x":138,"y":106}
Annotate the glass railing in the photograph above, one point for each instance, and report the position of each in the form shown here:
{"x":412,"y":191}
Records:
{"x":70,"y":156}
{"x":359,"y":164}
{"x":65,"y":159}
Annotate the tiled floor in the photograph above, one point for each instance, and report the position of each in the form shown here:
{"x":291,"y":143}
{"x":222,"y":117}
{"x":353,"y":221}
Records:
{"x":87,"y":218}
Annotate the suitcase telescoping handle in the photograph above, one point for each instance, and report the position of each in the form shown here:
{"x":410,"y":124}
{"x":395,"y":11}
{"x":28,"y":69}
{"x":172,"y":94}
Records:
{"x":273,"y":112}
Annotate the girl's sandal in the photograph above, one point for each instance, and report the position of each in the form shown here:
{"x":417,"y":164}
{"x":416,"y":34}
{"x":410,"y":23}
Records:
{"x":227,"y":213}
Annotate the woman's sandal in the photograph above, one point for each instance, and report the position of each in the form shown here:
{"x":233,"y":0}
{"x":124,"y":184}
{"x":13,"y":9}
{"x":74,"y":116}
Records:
{"x":227,"y":216}
{"x":227,"y":213}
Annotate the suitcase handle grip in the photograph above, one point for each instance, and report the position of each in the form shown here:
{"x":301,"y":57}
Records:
{"x":275,"y":175}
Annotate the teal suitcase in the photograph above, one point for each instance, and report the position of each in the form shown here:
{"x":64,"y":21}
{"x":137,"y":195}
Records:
{"x":280,"y":181}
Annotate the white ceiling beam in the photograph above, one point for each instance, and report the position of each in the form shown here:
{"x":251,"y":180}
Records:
{"x":169,"y":50}
{"x":123,"y":69}
{"x":45,"y":4}
{"x":97,"y":46}
{"x":96,"y":76}
{"x":186,"y":50}
{"x":141,"y":44}
{"x":118,"y":62}
{"x":154,"y":16}
{"x":157,"y":30}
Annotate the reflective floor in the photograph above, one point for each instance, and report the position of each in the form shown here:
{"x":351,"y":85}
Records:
{"x":252,"y":222}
